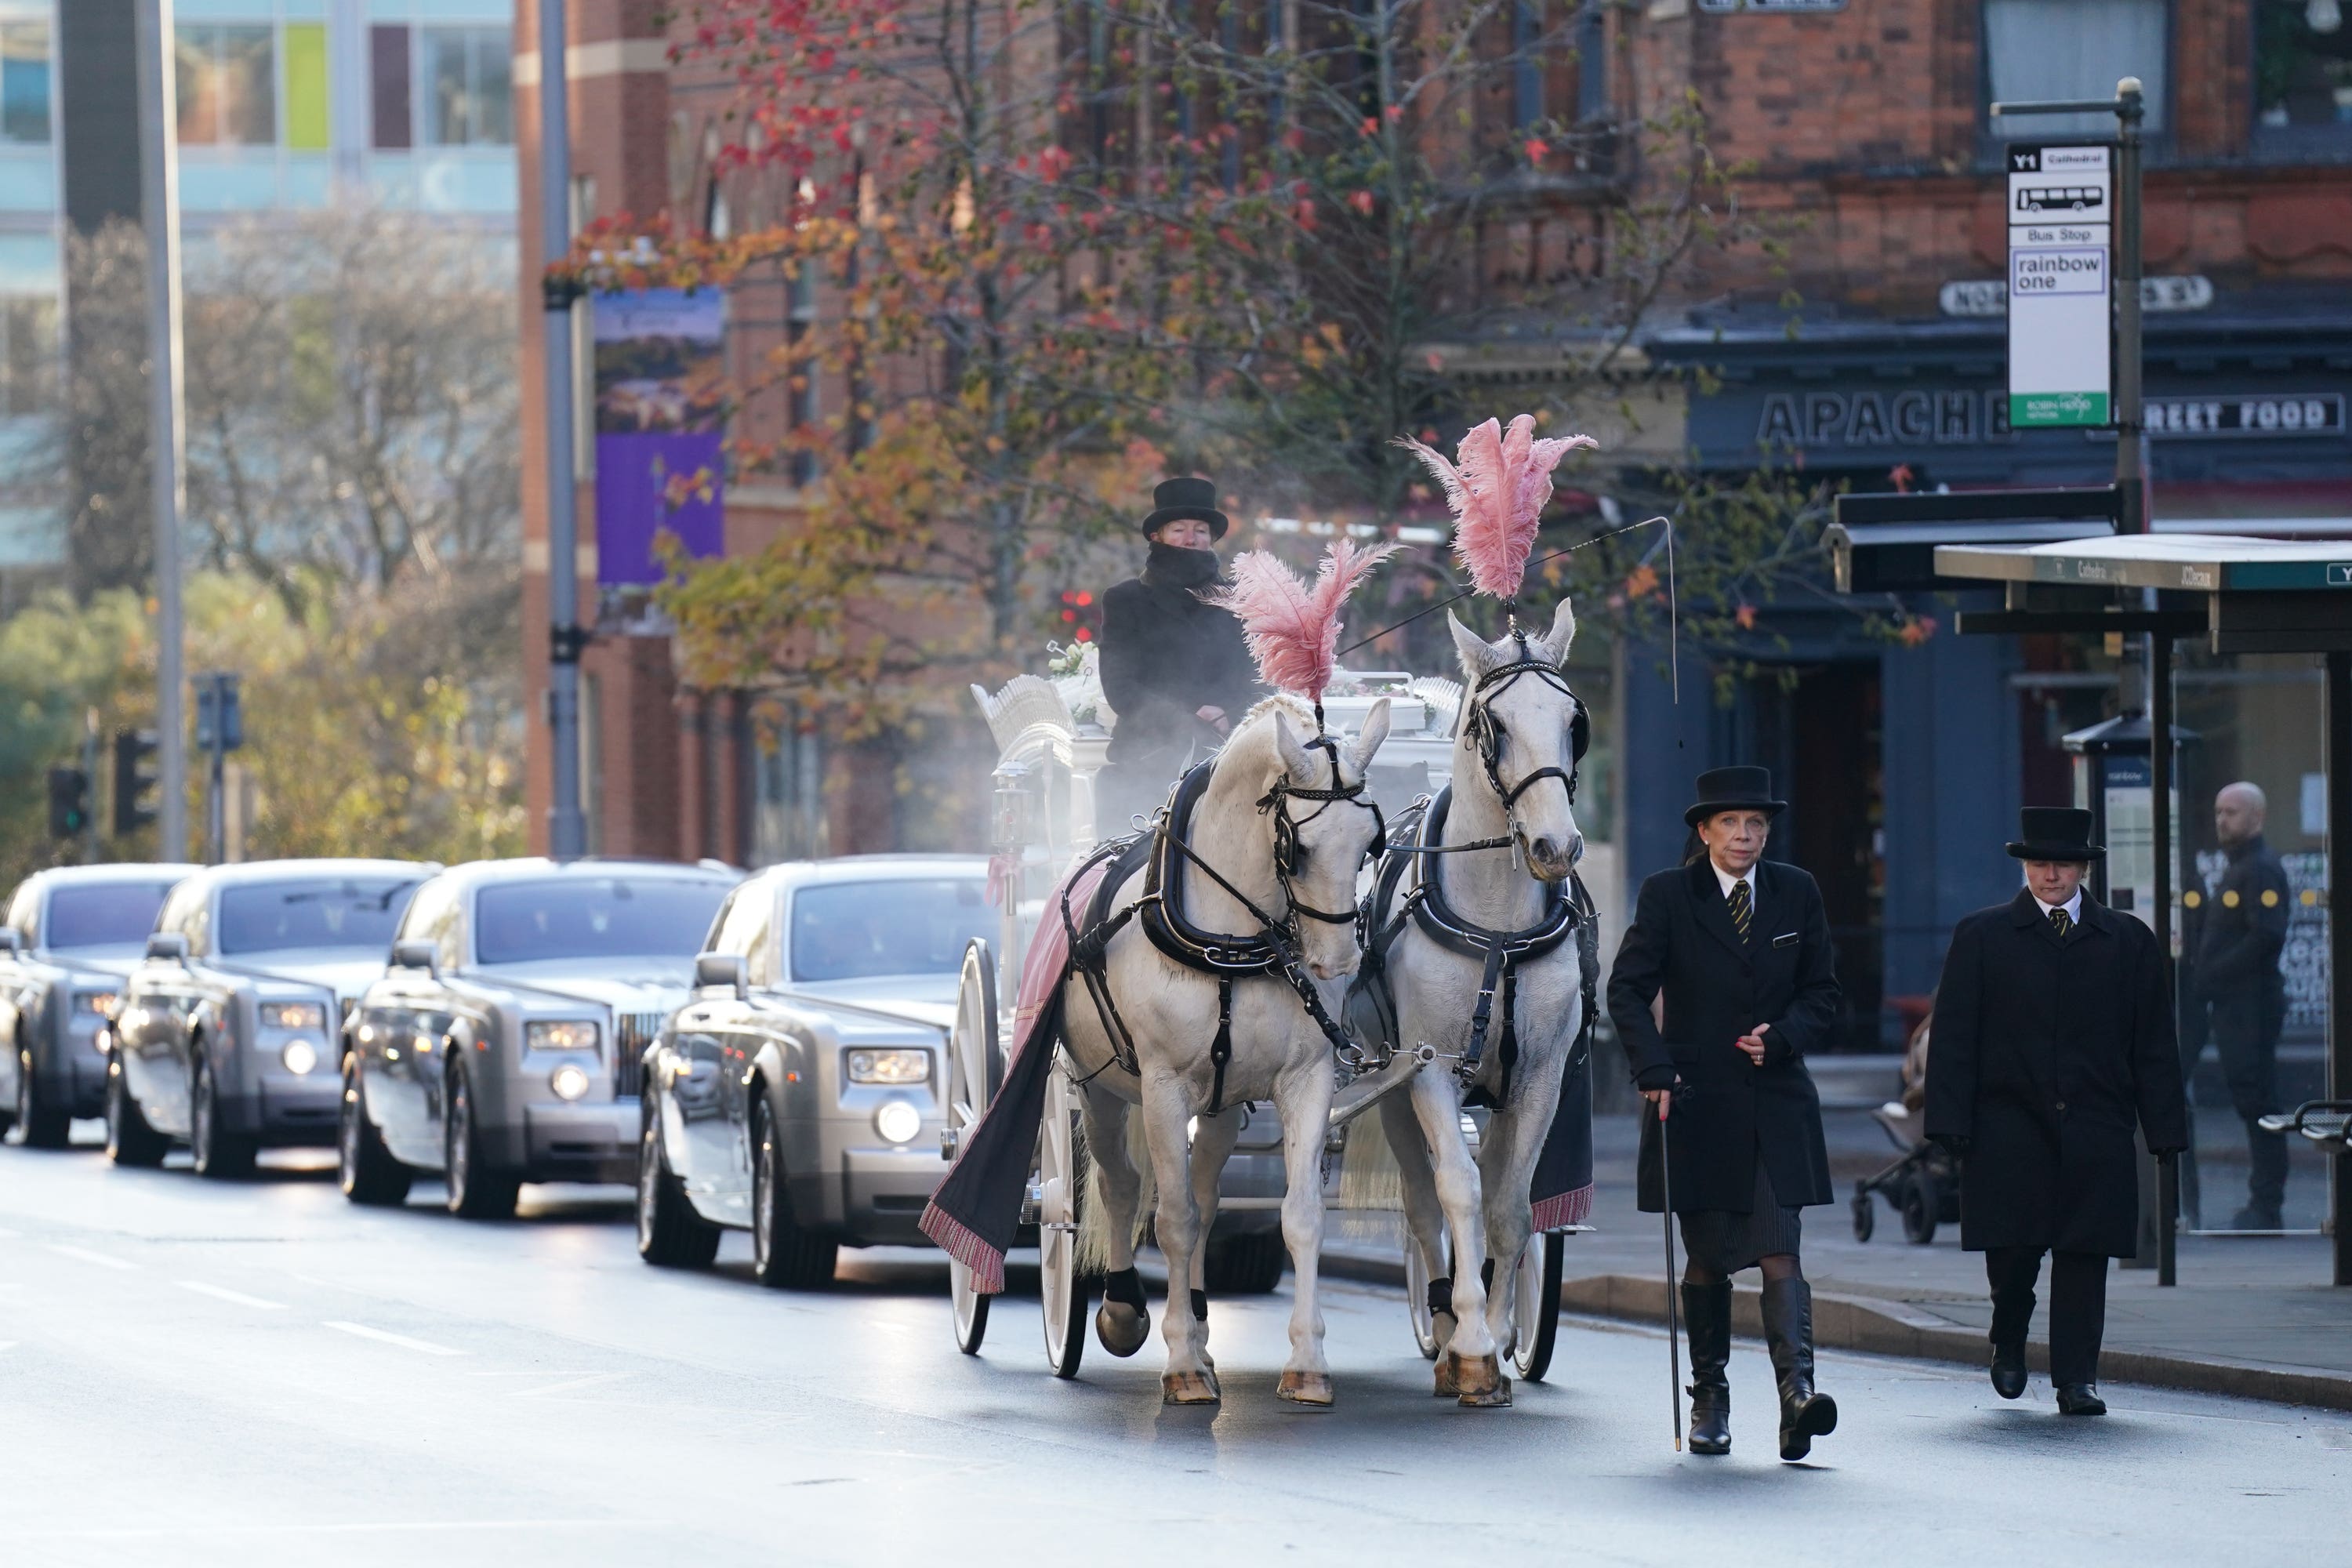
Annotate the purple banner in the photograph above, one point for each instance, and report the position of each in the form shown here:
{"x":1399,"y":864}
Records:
{"x":660,"y":429}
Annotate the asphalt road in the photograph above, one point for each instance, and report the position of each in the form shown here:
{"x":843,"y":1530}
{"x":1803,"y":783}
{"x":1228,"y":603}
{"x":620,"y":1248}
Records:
{"x":258,"y":1374}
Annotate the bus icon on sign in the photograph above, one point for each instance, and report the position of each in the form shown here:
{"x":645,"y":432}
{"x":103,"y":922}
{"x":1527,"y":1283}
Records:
{"x":2060,"y":199}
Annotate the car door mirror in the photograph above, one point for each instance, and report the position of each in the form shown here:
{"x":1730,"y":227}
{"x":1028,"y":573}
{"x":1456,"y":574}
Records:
{"x":713,"y":970}
{"x":417,"y":954}
{"x":168,"y":947}
{"x":11,"y":940}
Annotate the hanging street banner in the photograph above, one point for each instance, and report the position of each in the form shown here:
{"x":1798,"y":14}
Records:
{"x":2061,"y":285}
{"x":661,"y":359}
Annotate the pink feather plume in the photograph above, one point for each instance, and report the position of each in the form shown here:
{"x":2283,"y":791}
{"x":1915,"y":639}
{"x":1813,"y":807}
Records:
{"x":1497,"y":488}
{"x":1292,"y":627}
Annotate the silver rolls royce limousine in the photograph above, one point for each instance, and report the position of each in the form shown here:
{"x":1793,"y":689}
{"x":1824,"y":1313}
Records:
{"x":224,"y":1037}
{"x":503,"y":1045}
{"x":72,"y":936}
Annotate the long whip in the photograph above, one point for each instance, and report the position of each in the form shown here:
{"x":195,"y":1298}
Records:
{"x":1673,"y":1309}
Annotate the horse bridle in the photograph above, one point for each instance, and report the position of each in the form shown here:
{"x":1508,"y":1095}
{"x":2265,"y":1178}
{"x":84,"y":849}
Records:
{"x":1288,"y":852}
{"x":1486,"y":732}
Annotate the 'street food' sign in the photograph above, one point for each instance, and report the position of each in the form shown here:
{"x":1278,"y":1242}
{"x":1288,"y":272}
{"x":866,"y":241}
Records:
{"x":2061,"y":285}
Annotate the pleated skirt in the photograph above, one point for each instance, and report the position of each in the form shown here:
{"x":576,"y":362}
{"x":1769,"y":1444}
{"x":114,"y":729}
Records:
{"x":1724,"y":1242}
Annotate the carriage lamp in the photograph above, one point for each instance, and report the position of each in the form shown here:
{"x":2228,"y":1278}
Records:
{"x":569,"y":1081}
{"x":293,"y":1015}
{"x":300,"y":1056}
{"x":890,"y":1067}
{"x":898,"y":1122}
{"x":560,"y":1035}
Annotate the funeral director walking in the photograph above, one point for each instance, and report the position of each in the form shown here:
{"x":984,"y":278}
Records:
{"x":2052,"y":1036}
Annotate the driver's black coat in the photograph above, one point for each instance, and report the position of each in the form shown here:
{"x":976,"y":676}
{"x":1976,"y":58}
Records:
{"x":1729,"y":1111}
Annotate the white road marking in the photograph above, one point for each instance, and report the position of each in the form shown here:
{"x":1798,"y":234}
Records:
{"x":403,"y":1340}
{"x":84,"y":1255}
{"x":590,"y":1381}
{"x":237,"y":1298}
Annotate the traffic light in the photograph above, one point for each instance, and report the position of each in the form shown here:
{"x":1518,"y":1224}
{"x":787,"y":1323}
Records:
{"x":134,"y":781}
{"x":69,"y":803}
{"x":1078,"y":613}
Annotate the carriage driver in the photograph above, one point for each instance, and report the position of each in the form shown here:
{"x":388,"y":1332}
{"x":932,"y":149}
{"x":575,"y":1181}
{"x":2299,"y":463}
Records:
{"x":1175,"y":668}
{"x":1739,"y":949}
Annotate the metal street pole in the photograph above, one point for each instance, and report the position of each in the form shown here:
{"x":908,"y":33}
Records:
{"x":158,"y":191}
{"x":567,"y":829}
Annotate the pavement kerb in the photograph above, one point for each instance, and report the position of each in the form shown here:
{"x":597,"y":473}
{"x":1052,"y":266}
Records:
{"x":1895,"y":1328}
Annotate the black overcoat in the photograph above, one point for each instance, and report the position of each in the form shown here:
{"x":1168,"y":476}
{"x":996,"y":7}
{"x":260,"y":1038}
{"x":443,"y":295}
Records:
{"x":2042,"y":1052}
{"x":2237,"y":930}
{"x":1165,"y":654}
{"x":1716,"y":988}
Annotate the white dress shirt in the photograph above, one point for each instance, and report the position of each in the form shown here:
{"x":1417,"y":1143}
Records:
{"x":2073,"y":908}
{"x":1726,"y":881}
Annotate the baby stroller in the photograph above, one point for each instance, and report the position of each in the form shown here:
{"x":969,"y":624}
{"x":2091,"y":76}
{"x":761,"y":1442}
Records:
{"x":1924,"y":1185}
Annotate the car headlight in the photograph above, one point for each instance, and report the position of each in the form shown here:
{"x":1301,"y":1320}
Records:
{"x":890,"y":1067}
{"x":301,"y":1056}
{"x":293,"y":1015}
{"x":569,"y":1081}
{"x":97,"y":1004}
{"x":560,"y":1035}
{"x":898,"y":1122}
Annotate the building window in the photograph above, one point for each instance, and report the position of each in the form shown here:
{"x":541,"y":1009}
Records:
{"x":228,"y":85}
{"x":801,"y":407}
{"x":2302,"y":72}
{"x":788,"y":797}
{"x":390,"y":87}
{"x":28,"y":354}
{"x":467,"y":75}
{"x":23,"y":83}
{"x":2045,"y":49}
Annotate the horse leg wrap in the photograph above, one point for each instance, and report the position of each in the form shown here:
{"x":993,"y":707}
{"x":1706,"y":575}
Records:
{"x":1200,"y":1306}
{"x":1441,"y":1297}
{"x":1124,"y":1286}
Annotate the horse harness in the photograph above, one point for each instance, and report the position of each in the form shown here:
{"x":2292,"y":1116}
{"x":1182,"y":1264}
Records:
{"x":1568,"y":913}
{"x":1272,"y":951}
{"x":1486,"y":734}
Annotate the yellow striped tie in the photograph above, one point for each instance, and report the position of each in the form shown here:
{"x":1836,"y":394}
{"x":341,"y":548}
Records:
{"x":2058,"y":917}
{"x":1742,"y":910}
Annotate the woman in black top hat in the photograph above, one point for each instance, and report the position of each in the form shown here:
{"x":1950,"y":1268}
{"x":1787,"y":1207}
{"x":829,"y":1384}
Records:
{"x":1175,"y":667}
{"x":1739,"y":949}
{"x":2053,"y":1034}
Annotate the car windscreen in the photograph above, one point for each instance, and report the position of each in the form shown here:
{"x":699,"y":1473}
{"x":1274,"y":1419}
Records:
{"x":110,"y":914}
{"x":340,"y":911}
{"x":849,"y":930}
{"x":594,"y":917}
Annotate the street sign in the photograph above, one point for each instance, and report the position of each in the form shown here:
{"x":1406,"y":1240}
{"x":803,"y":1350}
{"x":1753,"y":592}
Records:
{"x":220,"y":715}
{"x":2061,"y":285}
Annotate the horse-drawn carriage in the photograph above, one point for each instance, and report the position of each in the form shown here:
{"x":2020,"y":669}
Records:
{"x":1172,"y":982}
{"x":1044,"y":822}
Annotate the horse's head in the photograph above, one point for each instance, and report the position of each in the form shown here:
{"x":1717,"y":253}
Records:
{"x":1325,"y":827}
{"x":1523,"y":734}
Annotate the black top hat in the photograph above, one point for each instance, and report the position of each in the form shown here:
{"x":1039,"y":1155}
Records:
{"x":2055,"y":833}
{"x":1734,"y":789}
{"x":1176,"y":499}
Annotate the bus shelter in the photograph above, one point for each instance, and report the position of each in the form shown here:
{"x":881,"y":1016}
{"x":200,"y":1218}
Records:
{"x":2241,"y":595}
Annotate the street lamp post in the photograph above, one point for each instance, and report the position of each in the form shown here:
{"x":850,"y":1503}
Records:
{"x":567,"y":833}
{"x":159,"y":189}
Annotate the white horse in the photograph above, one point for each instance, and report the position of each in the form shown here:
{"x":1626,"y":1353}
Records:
{"x":1513,"y":766}
{"x":1289,"y":853}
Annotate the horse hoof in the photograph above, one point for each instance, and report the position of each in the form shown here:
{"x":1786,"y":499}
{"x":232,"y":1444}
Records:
{"x":1305,"y":1389}
{"x":1121,"y":1328}
{"x":1495,"y":1398}
{"x":1188,"y":1388}
{"x":1469,"y":1377}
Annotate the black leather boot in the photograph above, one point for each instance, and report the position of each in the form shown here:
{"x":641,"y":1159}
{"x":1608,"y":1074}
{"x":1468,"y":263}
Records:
{"x":1805,"y":1414}
{"x":1706,"y":1313}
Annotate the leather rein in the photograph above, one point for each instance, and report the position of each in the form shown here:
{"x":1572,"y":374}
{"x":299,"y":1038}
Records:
{"x":1487,"y":734}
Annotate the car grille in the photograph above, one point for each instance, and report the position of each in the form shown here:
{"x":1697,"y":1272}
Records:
{"x":632,"y":1033}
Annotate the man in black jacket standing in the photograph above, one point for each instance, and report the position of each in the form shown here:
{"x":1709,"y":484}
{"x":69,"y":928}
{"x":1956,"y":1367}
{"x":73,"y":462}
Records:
{"x":2237,"y":929}
{"x":2053,"y":1034}
{"x":1739,"y":949}
{"x":1174,"y":666}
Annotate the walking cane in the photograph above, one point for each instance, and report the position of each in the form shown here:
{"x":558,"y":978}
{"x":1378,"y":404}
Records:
{"x":1674,"y":1309}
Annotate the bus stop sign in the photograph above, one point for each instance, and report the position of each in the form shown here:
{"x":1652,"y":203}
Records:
{"x":2060,"y":284}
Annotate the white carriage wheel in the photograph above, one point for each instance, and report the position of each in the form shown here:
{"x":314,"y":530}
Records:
{"x":1416,"y":1293}
{"x":975,"y":1067}
{"x":1060,"y":1290}
{"x":1537,"y":1310}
